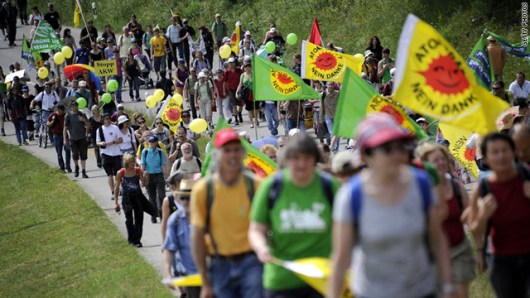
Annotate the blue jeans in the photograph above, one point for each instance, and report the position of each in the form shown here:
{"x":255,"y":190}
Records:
{"x":329,"y":124}
{"x":20,"y":129}
{"x":59,"y":142}
{"x":134,"y":82}
{"x":291,"y":123}
{"x":118,"y":91}
{"x":232,"y":279}
{"x":271,"y":115}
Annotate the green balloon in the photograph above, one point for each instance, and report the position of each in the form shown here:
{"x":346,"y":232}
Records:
{"x":270,"y":47}
{"x":81,"y":103}
{"x":112,"y":85}
{"x":106,"y":98}
{"x":292,"y":39}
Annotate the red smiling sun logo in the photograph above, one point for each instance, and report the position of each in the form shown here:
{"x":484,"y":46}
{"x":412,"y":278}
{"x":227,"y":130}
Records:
{"x":173,"y":115}
{"x":392,"y":112}
{"x":470,"y":153}
{"x":326,"y":61}
{"x":284,"y":78}
{"x":444,"y":76}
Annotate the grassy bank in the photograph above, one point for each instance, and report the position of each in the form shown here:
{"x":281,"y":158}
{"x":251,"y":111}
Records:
{"x":55,"y":241}
{"x":347,"y":23}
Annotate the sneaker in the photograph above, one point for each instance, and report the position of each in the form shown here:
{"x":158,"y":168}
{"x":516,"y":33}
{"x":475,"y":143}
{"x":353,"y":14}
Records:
{"x":139,"y":244}
{"x":84,"y":174}
{"x":237,"y":122}
{"x":25,"y":143}
{"x":240,"y":117}
{"x":99,"y":165}
{"x":76,"y":172}
{"x":3,"y":132}
{"x":153,"y":219}
{"x":230,"y":121}
{"x":69,"y":170}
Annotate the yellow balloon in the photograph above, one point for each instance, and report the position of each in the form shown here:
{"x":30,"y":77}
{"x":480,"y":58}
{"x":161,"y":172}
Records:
{"x":194,"y":280}
{"x":43,"y":72}
{"x":150,"y":101}
{"x":67,"y":52}
{"x":159,"y":95}
{"x":178,"y":99}
{"x":225,"y":51}
{"x":198,"y":125}
{"x":58,"y":58}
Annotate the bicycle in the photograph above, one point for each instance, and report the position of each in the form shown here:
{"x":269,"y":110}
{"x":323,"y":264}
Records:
{"x":40,"y":126}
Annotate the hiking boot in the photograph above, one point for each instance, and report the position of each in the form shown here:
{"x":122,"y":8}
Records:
{"x":76,"y":172}
{"x":84,"y":174}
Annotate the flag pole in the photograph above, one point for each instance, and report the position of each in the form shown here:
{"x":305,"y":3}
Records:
{"x":254,"y":116}
{"x":84,"y":21}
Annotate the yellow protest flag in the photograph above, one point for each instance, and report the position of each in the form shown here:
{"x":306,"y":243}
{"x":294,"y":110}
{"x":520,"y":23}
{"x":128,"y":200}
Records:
{"x":77,"y":12}
{"x":433,"y":79}
{"x":457,"y":147}
{"x":321,"y":64}
{"x":171,"y":113}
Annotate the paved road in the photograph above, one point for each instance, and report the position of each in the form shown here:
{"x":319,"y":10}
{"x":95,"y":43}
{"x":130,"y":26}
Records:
{"x":97,"y":186}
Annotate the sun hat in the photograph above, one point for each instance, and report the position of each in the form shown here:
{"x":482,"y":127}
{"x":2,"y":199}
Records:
{"x":122,"y":119}
{"x":368,"y":53}
{"x":225,"y":136}
{"x":185,"y":187}
{"x":379,"y":128}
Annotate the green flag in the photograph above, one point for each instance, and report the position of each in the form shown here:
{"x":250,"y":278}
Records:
{"x":358,"y":99}
{"x":34,"y":59}
{"x":255,"y":160}
{"x":45,"y":39}
{"x":271,"y":81}
{"x":479,"y":62}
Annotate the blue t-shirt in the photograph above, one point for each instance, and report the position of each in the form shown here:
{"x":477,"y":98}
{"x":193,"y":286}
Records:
{"x":178,"y":239}
{"x":82,"y":55}
{"x":153,"y":160}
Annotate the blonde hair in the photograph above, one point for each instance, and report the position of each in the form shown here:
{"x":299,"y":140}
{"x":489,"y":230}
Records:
{"x":268,"y":148}
{"x":424,"y":150}
{"x":128,"y":159}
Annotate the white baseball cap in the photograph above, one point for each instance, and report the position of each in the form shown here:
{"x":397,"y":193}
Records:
{"x":201,"y":75}
{"x":231,"y":60}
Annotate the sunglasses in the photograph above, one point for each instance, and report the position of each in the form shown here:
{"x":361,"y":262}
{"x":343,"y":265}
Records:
{"x":158,"y":123}
{"x":184,"y":198}
{"x":496,"y":88}
{"x":185,"y":116}
{"x":141,"y":122}
{"x":391,"y":147}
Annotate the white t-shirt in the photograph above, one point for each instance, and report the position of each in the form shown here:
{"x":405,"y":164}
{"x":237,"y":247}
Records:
{"x":111,"y":133}
{"x":128,"y":140}
{"x":519,"y":91}
{"x":48,"y":100}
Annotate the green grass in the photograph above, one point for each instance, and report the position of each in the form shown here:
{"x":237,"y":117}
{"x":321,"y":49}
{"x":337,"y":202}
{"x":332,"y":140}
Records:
{"x":55,"y":241}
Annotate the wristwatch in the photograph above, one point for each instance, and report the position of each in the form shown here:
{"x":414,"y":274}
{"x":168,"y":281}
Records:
{"x":448,"y":288}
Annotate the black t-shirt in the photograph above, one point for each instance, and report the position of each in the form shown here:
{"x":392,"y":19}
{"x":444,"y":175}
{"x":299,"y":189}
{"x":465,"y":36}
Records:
{"x":53,"y":19}
{"x":93,"y":35}
{"x":184,"y":30}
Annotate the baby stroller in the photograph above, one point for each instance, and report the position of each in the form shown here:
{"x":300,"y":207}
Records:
{"x":145,"y":71}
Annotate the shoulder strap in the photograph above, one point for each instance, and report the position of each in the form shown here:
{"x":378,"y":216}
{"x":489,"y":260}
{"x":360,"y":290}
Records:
{"x":144,"y":154}
{"x":275,"y":189}
{"x":327,"y":187}
{"x":179,"y":161}
{"x":356,"y":201}
{"x":458,"y":193}
{"x":101,"y":134}
{"x":198,"y":162}
{"x":160,"y":155}
{"x":426,"y":197}
{"x":249,"y":184}
{"x":210,"y":187}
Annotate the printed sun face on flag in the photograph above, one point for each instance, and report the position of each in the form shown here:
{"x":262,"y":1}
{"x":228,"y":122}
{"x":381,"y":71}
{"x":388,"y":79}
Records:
{"x":283,"y":83}
{"x":438,"y":80}
{"x":458,"y":148}
{"x":325,"y":64}
{"x":171,"y":114}
{"x":385,"y":105}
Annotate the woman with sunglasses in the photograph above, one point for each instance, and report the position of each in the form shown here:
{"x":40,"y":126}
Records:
{"x":141,"y":129}
{"x":163,"y":133}
{"x":391,"y":220}
{"x":129,"y":178}
{"x":455,"y":196}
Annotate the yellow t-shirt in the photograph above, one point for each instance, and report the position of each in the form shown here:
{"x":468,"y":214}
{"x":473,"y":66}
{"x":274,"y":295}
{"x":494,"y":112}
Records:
{"x":158,"y":43}
{"x":229,"y":215}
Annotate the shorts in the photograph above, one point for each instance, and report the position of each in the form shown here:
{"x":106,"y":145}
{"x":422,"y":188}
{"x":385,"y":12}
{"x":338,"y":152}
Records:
{"x":79,"y":149}
{"x":160,"y":63}
{"x":233,"y":100}
{"x":111,"y":164}
{"x":205,"y":108}
{"x":462,"y":263}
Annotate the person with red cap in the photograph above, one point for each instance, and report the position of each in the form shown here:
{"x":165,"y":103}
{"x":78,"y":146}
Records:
{"x":390,"y":218}
{"x":220,"y":208}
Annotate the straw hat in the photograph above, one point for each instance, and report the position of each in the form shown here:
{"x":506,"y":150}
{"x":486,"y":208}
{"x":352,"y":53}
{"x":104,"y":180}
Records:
{"x":185,"y":187}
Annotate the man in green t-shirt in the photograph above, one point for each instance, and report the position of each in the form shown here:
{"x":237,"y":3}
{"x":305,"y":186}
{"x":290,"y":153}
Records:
{"x":384,"y":66}
{"x":295,"y":205}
